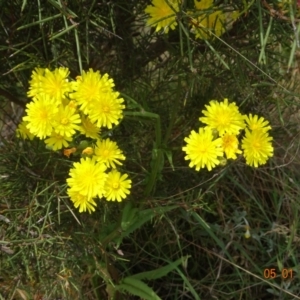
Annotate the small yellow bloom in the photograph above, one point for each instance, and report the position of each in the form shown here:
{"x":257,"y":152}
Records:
{"x":230,"y":145}
{"x":108,"y":152}
{"x":66,"y":121}
{"x":202,"y":149}
{"x":117,"y":186}
{"x":88,"y":128}
{"x":257,"y":147}
{"x":163,"y":14}
{"x":40,"y":115}
{"x":23,"y":132}
{"x":57,"y":141}
{"x":224,"y":117}
{"x":87,"y":178}
{"x":211,"y":22}
{"x":55,"y":83}
{"x":82,"y":202}
{"x":254,"y":123}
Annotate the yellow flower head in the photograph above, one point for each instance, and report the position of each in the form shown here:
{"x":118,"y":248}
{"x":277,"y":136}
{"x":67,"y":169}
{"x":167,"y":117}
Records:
{"x":40,"y":115}
{"x":162,"y":14}
{"x":88,"y":128}
{"x":116,"y":186}
{"x":87,"y":178}
{"x":210,"y":24}
{"x":66,"y":120}
{"x":89,"y":88}
{"x":230,"y":145}
{"x":23,"y":132}
{"x":108,"y":152}
{"x":257,"y":147}
{"x":36,"y":82}
{"x":107,"y":110}
{"x":83,"y":202}
{"x":254,"y":123}
{"x":202,"y":149}
{"x":223,"y":117}
{"x":55,"y":83}
{"x":57,"y":141}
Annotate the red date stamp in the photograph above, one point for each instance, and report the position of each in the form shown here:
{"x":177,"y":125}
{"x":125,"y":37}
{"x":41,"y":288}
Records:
{"x":270,"y":273}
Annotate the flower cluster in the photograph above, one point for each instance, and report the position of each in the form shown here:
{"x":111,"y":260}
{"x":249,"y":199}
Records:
{"x":207,"y":21}
{"x":220,"y":137}
{"x":61,"y":112}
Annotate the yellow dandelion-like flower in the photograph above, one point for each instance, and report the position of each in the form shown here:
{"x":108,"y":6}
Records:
{"x":83,"y":202}
{"x":223,"y":117}
{"x":116,"y":186}
{"x":257,"y":147}
{"x":55,"y":84}
{"x":88,"y":128}
{"x":107,"y":110}
{"x":72,"y":104}
{"x":108,"y":152}
{"x":202,"y":149}
{"x":162,"y":14}
{"x":57,"y":141}
{"x":254,"y":123}
{"x":36,"y":82}
{"x":209,"y":24}
{"x":66,"y":120}
{"x":87,"y":178}
{"x":91,"y":87}
{"x":40,"y":115}
{"x":23,"y":132}
{"x":230,"y":145}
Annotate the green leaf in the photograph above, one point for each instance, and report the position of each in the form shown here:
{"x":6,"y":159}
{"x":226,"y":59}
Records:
{"x":160,"y":272}
{"x":169,"y":156}
{"x":129,"y":216}
{"x":132,"y":219}
{"x":138,"y":288}
{"x":144,"y":216}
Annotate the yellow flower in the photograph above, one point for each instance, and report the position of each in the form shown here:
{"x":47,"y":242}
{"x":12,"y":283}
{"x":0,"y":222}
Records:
{"x":40,"y":115}
{"x":91,"y":87}
{"x":213,"y":23}
{"x":257,"y":147}
{"x":87,"y":178}
{"x":66,"y":120}
{"x":36,"y":82}
{"x":116,"y":186}
{"x":162,"y":14}
{"x":223,"y":117}
{"x":57,"y":141}
{"x":83,"y":202}
{"x":23,"y":132}
{"x":230,"y":145}
{"x":202,"y":149}
{"x":254,"y":123}
{"x":107,"y":110}
{"x":55,"y":84}
{"x":88,"y":128}
{"x":108,"y":152}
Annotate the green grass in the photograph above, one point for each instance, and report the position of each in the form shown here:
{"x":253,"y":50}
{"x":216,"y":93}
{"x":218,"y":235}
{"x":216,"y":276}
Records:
{"x":180,"y":233}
